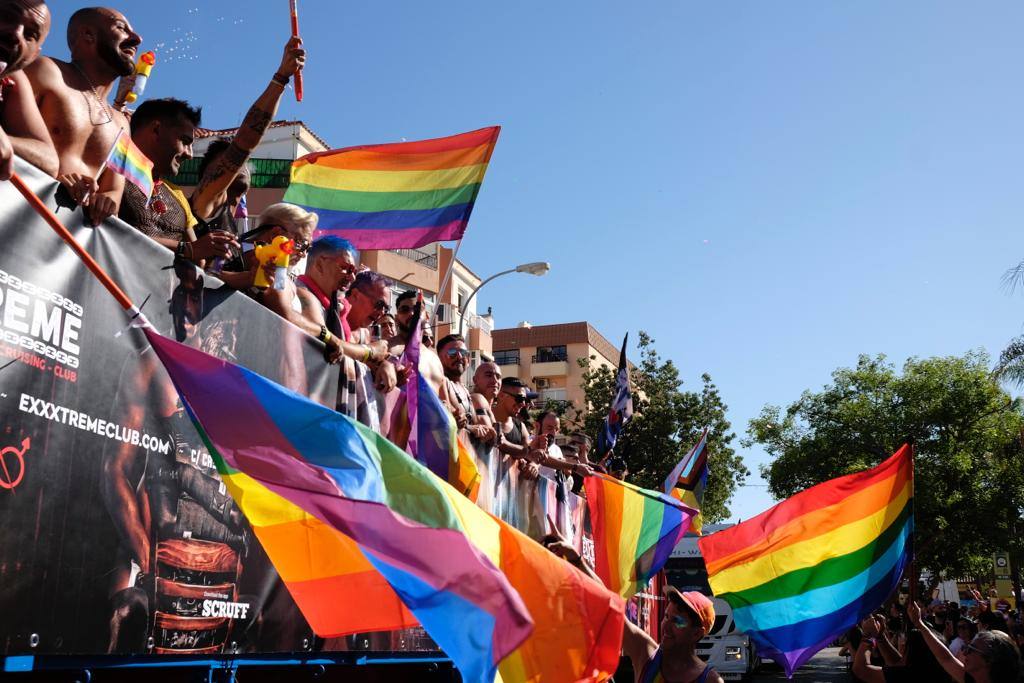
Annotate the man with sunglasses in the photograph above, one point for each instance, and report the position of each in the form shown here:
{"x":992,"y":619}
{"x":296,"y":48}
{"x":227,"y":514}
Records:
{"x":430,"y":365}
{"x":515,"y":436}
{"x":455,"y":359}
{"x":688,"y":617}
{"x":369,"y":299}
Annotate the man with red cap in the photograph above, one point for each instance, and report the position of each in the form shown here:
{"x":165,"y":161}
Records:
{"x":688,"y":618}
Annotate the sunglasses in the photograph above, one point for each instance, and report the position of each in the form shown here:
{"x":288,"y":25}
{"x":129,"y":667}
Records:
{"x":681,"y":621}
{"x":451,"y":353}
{"x":519,"y":398}
{"x":970,"y":647}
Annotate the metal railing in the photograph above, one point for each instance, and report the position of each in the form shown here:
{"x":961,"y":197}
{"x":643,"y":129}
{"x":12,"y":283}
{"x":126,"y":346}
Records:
{"x":550,"y":358}
{"x":479,"y":322}
{"x":424,"y":258}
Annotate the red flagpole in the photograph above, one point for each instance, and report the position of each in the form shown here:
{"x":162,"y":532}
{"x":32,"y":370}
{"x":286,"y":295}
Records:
{"x":87,"y":259}
{"x":294,"y":6}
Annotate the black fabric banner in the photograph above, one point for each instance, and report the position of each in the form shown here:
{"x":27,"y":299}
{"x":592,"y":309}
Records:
{"x":116,"y":534}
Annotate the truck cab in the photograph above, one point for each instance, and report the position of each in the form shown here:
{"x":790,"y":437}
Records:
{"x":729,"y":651}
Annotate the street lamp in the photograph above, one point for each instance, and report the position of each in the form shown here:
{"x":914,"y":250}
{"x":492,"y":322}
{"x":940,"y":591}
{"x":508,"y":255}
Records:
{"x":535,"y":268}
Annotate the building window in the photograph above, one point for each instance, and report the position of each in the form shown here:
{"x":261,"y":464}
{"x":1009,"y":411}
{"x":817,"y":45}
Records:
{"x":507,"y":357}
{"x":550,"y":354}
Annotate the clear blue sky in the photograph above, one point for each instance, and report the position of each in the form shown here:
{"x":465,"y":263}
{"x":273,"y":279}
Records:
{"x":768,"y":188}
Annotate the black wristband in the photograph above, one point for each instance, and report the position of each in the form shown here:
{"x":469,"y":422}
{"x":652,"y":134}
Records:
{"x":280,"y":79}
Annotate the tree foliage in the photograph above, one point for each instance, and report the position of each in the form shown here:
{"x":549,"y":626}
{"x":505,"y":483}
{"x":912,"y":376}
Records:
{"x":667,"y":422}
{"x":969,"y":471}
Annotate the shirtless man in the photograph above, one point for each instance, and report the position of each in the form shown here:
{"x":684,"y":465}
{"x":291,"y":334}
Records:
{"x":430,"y":364}
{"x":486,"y":383}
{"x":24,"y":25}
{"x":72,"y":97}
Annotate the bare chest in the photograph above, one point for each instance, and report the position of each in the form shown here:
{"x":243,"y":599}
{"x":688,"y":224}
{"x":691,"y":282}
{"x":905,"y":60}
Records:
{"x":83,"y":128}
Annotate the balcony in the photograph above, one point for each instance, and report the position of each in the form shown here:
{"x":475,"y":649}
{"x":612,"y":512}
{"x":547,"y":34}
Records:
{"x":428,"y":259}
{"x":512,"y":370}
{"x":555,"y":368}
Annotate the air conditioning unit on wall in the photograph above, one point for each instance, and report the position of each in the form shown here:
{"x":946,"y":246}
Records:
{"x":542,"y":383}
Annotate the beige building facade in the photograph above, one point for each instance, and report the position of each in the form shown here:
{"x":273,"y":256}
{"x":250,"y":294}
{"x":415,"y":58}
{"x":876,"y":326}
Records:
{"x":546,"y":357}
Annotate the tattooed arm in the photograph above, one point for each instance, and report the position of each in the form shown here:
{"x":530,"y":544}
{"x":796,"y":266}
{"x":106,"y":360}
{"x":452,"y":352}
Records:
{"x":213,"y":187}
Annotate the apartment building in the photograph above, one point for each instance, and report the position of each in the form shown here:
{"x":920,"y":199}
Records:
{"x":546,"y":357}
{"x":423,"y":268}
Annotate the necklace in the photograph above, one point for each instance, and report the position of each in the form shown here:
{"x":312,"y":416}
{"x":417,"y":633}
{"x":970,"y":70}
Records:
{"x":99,"y":100}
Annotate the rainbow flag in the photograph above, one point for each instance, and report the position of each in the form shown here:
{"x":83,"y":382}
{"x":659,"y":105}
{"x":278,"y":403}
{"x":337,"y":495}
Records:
{"x":802,"y":573}
{"x":395,"y":196}
{"x":434,"y":435}
{"x":128,"y":160}
{"x":634,"y":531}
{"x":689,"y":479}
{"x":338,"y":508}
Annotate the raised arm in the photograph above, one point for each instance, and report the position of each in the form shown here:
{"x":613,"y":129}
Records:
{"x":219,"y":175}
{"x":953,"y":666}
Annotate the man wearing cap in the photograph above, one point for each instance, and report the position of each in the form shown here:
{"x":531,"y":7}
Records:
{"x":688,"y":618}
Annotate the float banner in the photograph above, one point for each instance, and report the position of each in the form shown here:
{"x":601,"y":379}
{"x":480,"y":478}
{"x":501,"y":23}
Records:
{"x":117,"y":534}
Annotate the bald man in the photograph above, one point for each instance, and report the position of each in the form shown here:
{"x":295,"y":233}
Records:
{"x":72,"y":97}
{"x":24,"y":25}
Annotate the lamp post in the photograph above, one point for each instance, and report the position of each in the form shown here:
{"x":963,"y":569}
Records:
{"x":535,"y":268}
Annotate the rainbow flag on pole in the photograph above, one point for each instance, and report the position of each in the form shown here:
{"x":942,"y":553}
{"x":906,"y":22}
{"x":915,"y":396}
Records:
{"x":434,"y":435}
{"x":802,"y":573}
{"x":350,"y":520}
{"x":634,"y":531}
{"x":689,"y":478}
{"x":395,"y":196}
{"x":128,"y":160}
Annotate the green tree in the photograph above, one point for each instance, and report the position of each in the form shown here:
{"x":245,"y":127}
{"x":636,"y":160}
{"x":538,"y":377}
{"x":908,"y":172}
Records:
{"x":667,"y":422}
{"x":969,"y":472}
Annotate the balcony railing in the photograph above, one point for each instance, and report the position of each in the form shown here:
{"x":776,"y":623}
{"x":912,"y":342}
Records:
{"x":549,"y":358}
{"x":479,"y":322}
{"x":427,"y":259}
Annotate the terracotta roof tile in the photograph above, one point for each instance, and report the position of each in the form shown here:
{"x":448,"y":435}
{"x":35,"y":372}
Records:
{"x":202,"y":133}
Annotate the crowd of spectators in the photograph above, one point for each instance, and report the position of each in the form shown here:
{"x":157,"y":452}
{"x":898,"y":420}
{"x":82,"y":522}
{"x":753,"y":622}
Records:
{"x":938,"y":640}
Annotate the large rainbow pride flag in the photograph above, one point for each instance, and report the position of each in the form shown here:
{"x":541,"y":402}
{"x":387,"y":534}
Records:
{"x":395,"y":196}
{"x":350,"y":521}
{"x":802,"y":573}
{"x":634,"y":530}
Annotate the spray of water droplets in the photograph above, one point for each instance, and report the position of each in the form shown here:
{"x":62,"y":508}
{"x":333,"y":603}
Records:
{"x":185,"y":40}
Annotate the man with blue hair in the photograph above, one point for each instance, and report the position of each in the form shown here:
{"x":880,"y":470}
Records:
{"x":326,"y":313}
{"x":330,"y":268}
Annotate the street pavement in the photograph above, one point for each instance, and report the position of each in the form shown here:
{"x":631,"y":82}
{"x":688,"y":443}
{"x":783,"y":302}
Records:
{"x":825,"y":667}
